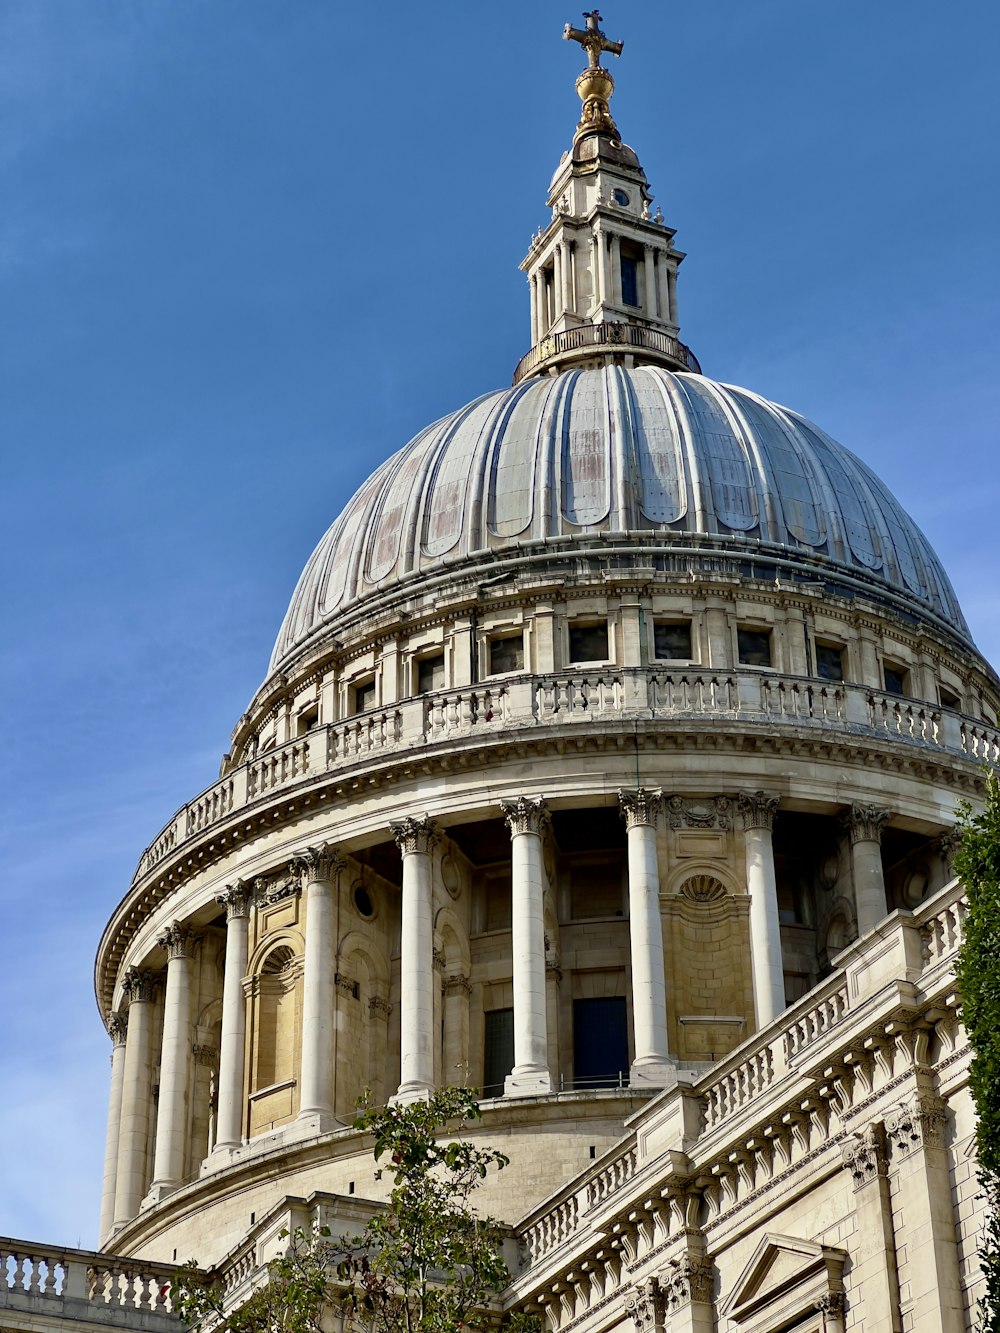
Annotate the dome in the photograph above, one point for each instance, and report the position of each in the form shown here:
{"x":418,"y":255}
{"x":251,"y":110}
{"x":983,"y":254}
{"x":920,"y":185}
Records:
{"x":671,"y":456}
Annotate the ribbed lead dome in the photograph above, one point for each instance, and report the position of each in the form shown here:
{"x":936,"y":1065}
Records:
{"x":639,"y":450}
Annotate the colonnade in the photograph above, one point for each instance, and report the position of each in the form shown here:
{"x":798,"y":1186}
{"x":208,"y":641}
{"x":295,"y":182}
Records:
{"x":554,"y":290}
{"x":129,"y":1116}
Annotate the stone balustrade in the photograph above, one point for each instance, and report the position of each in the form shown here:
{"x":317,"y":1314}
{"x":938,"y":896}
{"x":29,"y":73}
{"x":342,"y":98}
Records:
{"x":757,"y":1080}
{"x":39,"y":1283}
{"x":576,"y":698}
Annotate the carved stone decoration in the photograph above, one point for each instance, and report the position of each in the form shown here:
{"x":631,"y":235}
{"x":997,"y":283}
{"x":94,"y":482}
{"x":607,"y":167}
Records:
{"x":864,"y":822}
{"x":645,"y":1307}
{"x":178,"y":941}
{"x":640,"y":808}
{"x":757,"y":809}
{"x":833,"y":1305}
{"x":207,"y":1056}
{"x":917,"y":1123}
{"x":864,"y":1155}
{"x":703,"y":889}
{"x":947,"y":844}
{"x":314,"y":865}
{"x":449,"y":875}
{"x":528,"y":814}
{"x":458,"y":984}
{"x":117,"y":1028}
{"x":346,"y":986}
{"x":379,"y":1008}
{"x":710,"y":812}
{"x":438,"y":959}
{"x":686,"y":1279}
{"x":138,"y":985}
{"x":415,"y":835}
{"x":236,"y":899}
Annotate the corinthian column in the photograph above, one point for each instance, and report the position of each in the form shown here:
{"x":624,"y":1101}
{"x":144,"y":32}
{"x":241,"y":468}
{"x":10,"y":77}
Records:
{"x":652,"y":1063}
{"x":864,"y":824}
{"x":229,"y":1121}
{"x":526,"y":819}
{"x":117,"y":1026}
{"x":758,"y":811}
{"x":130,"y":1179}
{"x":415,"y":838}
{"x":175,"y":1061}
{"x":317,"y":868}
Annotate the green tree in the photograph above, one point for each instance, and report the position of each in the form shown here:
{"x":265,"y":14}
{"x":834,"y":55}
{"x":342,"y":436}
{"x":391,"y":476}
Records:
{"x":977,"y":864}
{"x":427,"y":1262}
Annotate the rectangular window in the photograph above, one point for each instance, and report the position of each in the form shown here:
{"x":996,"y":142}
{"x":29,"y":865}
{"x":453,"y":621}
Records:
{"x":498,"y":1050}
{"x":754,"y":647}
{"x":672,"y":640}
{"x":430,"y":674}
{"x":829,"y":661}
{"x":364,"y":696}
{"x":897,"y":679}
{"x":588,"y":643}
{"x":307,"y":720}
{"x":600,"y":1043}
{"x":630,"y":281}
{"x":506,"y":654}
{"x":948,"y":698}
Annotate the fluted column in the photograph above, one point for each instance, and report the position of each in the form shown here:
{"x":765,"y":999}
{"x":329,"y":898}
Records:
{"x":758,"y":811}
{"x":526,"y":819}
{"x":415,"y":839}
{"x":117,"y":1028}
{"x":864,"y":825}
{"x":130,"y":1179}
{"x":649,"y":270}
{"x":229,"y":1118}
{"x":317,"y":868}
{"x":652,"y":1063}
{"x":175,"y":1062}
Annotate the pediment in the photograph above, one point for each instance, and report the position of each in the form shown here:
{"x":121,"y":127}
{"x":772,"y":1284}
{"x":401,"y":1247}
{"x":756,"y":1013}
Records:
{"x":784,"y":1271}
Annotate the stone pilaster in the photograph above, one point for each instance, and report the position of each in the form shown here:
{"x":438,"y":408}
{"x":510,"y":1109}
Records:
{"x":415,"y":839}
{"x":757,"y":810}
{"x":864,"y":825}
{"x":652,"y":1063}
{"x":526,"y":818}
{"x":686,"y":1289}
{"x":864,"y":1156}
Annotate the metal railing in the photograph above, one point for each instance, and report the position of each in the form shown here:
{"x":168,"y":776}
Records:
{"x":609,"y":335}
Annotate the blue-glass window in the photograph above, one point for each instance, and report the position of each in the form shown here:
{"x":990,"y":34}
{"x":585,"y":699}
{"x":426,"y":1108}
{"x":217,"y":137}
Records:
{"x":600,"y":1043}
{"x":630,"y":281}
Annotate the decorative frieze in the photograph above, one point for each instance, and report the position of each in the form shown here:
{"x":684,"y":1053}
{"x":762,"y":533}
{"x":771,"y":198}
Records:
{"x":118,"y":1027}
{"x":316,"y":864}
{"x":864,"y":823}
{"x":237,"y":899}
{"x":528,"y":814}
{"x":415,"y":835}
{"x":178,"y":940}
{"x":707,"y":812}
{"x":757,"y":809}
{"x":640,"y":808}
{"x":864,"y":1155}
{"x":917,"y":1123}
{"x":138,"y":984}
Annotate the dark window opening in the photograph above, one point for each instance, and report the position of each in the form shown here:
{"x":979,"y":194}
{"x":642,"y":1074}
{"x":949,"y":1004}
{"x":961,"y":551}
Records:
{"x":498,"y":1050}
{"x":507,"y":654}
{"x":600,"y":1043}
{"x":595,"y":890}
{"x":948,"y":698}
{"x":308,"y":720}
{"x":364,"y":696}
{"x":630,"y":281}
{"x":363,"y":902}
{"x":672,"y":640}
{"x":796,"y":985}
{"x":498,"y":905}
{"x":754,"y":647}
{"x":588,"y":643}
{"x":430,"y":674}
{"x":829,"y":662}
{"x":896,"y":679}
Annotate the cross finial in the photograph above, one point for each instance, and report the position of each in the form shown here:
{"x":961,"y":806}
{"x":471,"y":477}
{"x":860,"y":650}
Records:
{"x":592,"y":39}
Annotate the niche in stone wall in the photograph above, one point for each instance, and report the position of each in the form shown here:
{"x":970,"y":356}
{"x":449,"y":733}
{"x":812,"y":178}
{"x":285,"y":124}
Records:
{"x":361,"y":986}
{"x":274,"y":1036}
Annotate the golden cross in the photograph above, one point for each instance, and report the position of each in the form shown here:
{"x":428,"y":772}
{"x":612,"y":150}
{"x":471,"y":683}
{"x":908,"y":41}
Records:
{"x":592,"y":39}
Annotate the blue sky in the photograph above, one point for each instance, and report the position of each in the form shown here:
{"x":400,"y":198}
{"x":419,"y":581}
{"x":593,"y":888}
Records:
{"x":249,"y":247}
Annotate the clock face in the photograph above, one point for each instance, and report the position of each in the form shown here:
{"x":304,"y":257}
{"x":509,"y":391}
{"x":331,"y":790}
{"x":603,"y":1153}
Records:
{"x":621,"y":198}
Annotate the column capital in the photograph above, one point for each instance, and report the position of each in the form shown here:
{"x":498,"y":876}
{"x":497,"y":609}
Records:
{"x":864,"y":822}
{"x":639,"y":808}
{"x":646,"y":1307}
{"x":415,"y":835}
{"x":237,"y":899}
{"x":138,"y":984}
{"x":917,"y":1123}
{"x":757,"y":809}
{"x":316,"y":864}
{"x":178,"y":940}
{"x":864,"y":1155}
{"x":948,"y":844}
{"x":528,"y":814}
{"x":379,"y":1007}
{"x":686,"y":1279}
{"x":117,"y":1027}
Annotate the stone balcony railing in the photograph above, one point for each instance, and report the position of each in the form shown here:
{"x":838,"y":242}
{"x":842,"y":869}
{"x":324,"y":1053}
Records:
{"x":611,"y":336}
{"x":42,"y":1283}
{"x":578,"y":698}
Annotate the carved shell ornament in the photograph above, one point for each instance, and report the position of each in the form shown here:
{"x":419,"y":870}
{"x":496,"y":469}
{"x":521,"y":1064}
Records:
{"x":703,"y":889}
